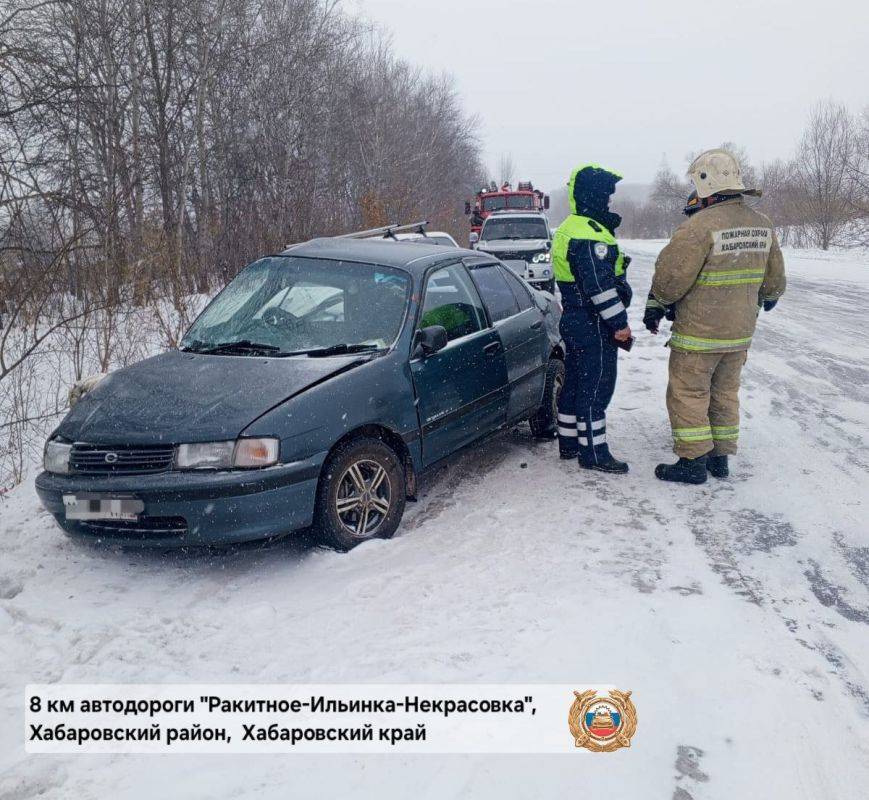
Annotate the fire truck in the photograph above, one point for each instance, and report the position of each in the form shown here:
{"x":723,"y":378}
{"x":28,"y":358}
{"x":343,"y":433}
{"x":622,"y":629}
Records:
{"x":490,"y":198}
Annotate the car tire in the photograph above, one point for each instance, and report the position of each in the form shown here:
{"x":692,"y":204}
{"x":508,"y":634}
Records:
{"x":545,"y":421}
{"x":361,"y":495}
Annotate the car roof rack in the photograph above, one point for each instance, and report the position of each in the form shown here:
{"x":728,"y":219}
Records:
{"x":387,"y":231}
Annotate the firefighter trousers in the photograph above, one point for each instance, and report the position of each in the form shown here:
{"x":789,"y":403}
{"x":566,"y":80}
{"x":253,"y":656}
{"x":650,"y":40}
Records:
{"x":703,"y":402}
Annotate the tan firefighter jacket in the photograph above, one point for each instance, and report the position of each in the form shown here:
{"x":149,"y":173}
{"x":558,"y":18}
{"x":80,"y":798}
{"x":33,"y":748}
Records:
{"x":718,"y":266}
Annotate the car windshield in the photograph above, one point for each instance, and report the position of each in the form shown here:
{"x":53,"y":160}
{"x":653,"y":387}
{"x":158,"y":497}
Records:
{"x":285,"y":305}
{"x":507,"y":201}
{"x":525,"y":228}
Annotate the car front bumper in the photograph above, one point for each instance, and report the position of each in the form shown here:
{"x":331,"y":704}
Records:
{"x":186,"y":509}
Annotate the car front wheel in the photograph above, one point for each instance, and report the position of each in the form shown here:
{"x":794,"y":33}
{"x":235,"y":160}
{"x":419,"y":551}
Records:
{"x":361,"y":494}
{"x":545,"y":421}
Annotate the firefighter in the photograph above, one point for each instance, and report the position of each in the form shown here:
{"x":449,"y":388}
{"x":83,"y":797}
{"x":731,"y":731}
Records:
{"x":722,"y":263}
{"x":590,"y":270}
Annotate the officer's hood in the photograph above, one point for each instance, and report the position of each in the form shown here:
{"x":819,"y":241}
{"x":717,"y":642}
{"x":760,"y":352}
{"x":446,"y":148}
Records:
{"x":590,"y":187}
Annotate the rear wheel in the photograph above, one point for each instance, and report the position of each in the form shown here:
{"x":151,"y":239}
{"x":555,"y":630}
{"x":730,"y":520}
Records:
{"x":545,"y":421}
{"x":361,"y":494}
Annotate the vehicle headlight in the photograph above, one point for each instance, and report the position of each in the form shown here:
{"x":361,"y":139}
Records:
{"x":540,"y":258}
{"x":256,"y":452}
{"x":56,"y":457}
{"x":245,"y":453}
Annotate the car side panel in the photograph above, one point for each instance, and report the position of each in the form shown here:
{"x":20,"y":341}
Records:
{"x":526,"y":347}
{"x":462,"y":393}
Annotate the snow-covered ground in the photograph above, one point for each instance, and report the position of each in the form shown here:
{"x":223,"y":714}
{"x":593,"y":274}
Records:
{"x":737,"y":612}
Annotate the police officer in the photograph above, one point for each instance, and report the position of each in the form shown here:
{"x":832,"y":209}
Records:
{"x":590,"y":270}
{"x":721,"y":263}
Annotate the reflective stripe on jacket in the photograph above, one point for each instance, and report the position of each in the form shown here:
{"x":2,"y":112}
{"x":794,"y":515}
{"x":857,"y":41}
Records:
{"x":721,"y":262}
{"x":586,"y":254}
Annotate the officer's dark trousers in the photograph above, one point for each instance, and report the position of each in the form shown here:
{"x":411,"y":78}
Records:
{"x":589,"y":382}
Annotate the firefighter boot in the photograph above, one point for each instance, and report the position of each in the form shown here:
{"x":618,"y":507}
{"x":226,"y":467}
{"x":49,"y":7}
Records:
{"x":717,"y":466}
{"x":603,"y":461}
{"x":685,"y":470}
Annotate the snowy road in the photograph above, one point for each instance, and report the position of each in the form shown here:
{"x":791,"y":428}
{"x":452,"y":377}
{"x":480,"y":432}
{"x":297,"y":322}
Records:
{"x":737,"y":612}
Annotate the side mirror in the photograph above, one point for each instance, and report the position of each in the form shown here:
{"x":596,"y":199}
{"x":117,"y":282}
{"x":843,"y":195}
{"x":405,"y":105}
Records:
{"x":474,"y":238}
{"x":548,"y":244}
{"x":429,"y":340}
{"x":467,"y":208}
{"x":546,"y":202}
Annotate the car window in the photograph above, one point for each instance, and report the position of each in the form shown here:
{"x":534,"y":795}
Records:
{"x":451,"y":301}
{"x":304,"y":299}
{"x":514,"y":228}
{"x":494,"y":203}
{"x":297,"y":304}
{"x":520,"y":201}
{"x":520,"y":290}
{"x":496,"y":294}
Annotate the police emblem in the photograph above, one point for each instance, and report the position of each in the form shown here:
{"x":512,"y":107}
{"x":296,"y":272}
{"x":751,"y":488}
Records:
{"x":601,"y":250}
{"x":602,"y":724}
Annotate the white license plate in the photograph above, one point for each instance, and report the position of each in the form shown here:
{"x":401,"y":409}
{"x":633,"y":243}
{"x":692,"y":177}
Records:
{"x":95,"y":506}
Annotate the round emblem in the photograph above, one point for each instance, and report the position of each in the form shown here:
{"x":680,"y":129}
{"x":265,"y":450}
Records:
{"x":110,"y":458}
{"x":602,"y":723}
{"x":601,"y":250}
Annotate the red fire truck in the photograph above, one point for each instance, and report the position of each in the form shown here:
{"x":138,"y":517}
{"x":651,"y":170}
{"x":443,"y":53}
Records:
{"x":490,"y":198}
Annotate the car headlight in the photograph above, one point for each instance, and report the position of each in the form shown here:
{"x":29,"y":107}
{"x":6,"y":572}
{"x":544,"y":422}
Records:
{"x":55,"y":458}
{"x":245,"y":453}
{"x":541,"y":257}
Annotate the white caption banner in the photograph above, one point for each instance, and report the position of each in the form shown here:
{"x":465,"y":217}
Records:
{"x":304,"y":718}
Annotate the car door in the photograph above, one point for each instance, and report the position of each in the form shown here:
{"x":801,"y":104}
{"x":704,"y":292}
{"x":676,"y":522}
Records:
{"x":520,"y":325}
{"x":462,"y":389}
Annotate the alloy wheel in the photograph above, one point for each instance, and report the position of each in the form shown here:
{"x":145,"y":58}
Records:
{"x":364,"y":498}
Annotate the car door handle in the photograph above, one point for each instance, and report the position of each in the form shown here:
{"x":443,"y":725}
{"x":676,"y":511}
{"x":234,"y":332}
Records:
{"x":537,"y":325}
{"x":492,"y":348}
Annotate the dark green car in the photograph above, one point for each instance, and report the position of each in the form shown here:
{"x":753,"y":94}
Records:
{"x":313,"y":390}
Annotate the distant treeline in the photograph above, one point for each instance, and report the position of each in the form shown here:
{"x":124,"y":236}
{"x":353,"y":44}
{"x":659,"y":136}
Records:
{"x":817,"y":198}
{"x":161,"y":142}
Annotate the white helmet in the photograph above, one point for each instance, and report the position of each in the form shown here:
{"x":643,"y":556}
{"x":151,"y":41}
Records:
{"x":717,"y":171}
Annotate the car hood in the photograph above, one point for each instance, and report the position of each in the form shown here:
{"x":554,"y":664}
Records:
{"x":511,"y":245}
{"x":190,"y":397}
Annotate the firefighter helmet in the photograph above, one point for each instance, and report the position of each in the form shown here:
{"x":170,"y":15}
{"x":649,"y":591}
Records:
{"x":717,"y":172}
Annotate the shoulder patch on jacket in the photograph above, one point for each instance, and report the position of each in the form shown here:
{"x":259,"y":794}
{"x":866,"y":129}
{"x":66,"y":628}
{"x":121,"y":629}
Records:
{"x":594,"y":226}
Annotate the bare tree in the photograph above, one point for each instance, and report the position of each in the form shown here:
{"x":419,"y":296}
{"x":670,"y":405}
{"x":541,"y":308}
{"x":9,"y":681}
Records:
{"x":506,"y":169}
{"x":821,"y":172}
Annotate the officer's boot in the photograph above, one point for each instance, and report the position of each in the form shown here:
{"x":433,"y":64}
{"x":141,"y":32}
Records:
{"x":605,"y":462}
{"x":594,"y":452}
{"x":717,"y":466}
{"x":685,"y":470}
{"x":602,"y":460}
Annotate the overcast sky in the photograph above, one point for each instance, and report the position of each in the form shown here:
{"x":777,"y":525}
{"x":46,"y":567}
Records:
{"x":627,"y":82}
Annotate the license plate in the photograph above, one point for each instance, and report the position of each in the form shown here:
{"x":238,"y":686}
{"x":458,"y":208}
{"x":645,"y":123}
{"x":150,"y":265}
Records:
{"x":96,"y":506}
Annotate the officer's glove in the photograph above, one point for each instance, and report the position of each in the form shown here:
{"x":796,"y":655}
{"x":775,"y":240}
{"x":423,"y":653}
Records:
{"x":626,"y":262}
{"x":652,"y":319}
{"x":769,"y":305}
